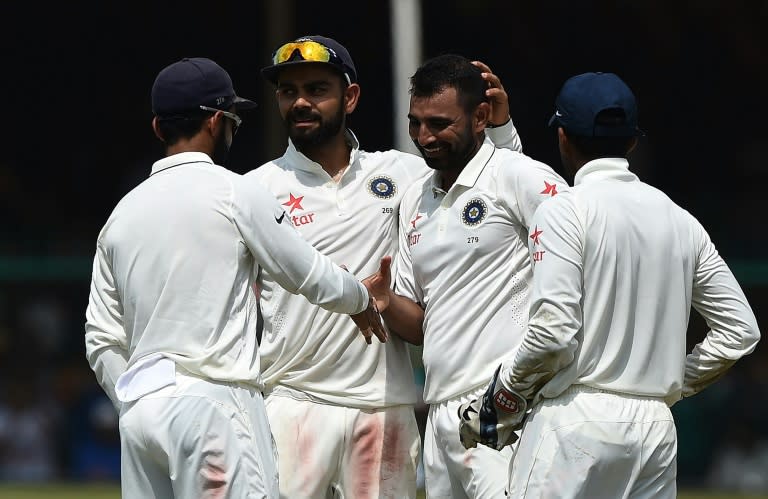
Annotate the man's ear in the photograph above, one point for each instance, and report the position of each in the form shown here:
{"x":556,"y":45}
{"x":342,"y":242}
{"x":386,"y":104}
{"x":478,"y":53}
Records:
{"x":351,"y":97}
{"x":213,"y":123}
{"x":632,"y":145}
{"x":481,"y":116}
{"x":156,"y":129}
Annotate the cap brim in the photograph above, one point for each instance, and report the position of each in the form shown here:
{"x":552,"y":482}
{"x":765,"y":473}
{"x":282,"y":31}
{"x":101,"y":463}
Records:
{"x":553,"y":120}
{"x":242,"y":104}
{"x":271,"y":72}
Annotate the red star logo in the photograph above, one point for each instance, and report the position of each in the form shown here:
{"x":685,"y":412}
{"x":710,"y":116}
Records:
{"x":294,"y":203}
{"x":536,"y":234}
{"x":550,"y":189}
{"x":413,"y":222}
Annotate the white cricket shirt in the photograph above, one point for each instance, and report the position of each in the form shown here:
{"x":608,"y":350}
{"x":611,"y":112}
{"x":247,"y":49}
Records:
{"x":174,"y":267}
{"x":617,"y":267}
{"x":464,"y":257}
{"x":354,"y":222}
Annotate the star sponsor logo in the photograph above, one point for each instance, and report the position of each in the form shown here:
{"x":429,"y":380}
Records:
{"x":418,"y":217}
{"x":536,"y":235}
{"x":382,"y":187}
{"x":474,"y":212}
{"x":537,"y":255}
{"x":550,"y":189}
{"x":294,"y":203}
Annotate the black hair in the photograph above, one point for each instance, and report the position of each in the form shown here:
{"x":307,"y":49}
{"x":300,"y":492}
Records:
{"x":178,"y":127}
{"x":450,"y":70}
{"x":603,"y":146}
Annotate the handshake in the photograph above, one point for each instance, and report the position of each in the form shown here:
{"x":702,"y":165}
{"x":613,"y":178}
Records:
{"x":369,"y":321}
{"x":493,"y":419}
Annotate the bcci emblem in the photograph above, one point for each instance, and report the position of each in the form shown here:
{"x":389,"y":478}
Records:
{"x":474,"y":212}
{"x":382,"y":187}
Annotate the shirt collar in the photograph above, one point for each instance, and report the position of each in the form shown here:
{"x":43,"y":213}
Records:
{"x":472,"y":170}
{"x":604,"y":168}
{"x":298,"y":159}
{"x":179,"y":159}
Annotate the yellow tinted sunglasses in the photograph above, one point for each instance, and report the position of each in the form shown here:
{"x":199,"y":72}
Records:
{"x":308,"y":50}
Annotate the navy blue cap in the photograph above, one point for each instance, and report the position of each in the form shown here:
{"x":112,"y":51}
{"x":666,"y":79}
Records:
{"x":339,"y":59}
{"x":585,"y":96}
{"x":187,"y":84}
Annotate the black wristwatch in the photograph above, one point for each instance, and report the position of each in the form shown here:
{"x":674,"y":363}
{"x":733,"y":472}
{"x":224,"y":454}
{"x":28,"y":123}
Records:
{"x":491,"y":125}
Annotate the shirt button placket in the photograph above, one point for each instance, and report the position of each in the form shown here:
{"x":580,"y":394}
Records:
{"x":338,"y":197}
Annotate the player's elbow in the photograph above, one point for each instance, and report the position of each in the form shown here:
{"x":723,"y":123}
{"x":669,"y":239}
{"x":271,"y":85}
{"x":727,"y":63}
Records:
{"x":752,"y":337}
{"x":414,"y":337}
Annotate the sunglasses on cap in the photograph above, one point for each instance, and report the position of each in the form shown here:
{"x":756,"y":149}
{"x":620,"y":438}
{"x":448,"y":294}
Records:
{"x":310,"y":51}
{"x":236,"y":120}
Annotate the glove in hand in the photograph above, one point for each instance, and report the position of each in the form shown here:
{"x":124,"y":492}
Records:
{"x":492,"y":419}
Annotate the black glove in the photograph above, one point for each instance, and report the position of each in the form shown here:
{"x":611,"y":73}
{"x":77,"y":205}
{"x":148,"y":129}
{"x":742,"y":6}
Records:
{"x":493,"y":419}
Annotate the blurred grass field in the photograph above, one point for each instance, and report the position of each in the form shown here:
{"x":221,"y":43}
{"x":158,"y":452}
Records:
{"x":60,"y":491}
{"x":110,"y":491}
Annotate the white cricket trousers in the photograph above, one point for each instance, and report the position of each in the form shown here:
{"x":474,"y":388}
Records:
{"x":197,"y":439}
{"x":450,"y":470}
{"x":342,"y":452}
{"x":588,"y":443}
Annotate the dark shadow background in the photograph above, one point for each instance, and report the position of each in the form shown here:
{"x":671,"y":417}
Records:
{"x":76,"y":137}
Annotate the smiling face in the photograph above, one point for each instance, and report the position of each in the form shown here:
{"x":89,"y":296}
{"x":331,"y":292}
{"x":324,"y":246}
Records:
{"x":313,"y":103}
{"x":443,"y":131}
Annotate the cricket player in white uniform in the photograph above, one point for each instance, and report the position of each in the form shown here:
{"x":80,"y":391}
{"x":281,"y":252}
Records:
{"x":171,"y":320}
{"x":617,"y":267}
{"x":342,"y":414}
{"x":463,"y":258}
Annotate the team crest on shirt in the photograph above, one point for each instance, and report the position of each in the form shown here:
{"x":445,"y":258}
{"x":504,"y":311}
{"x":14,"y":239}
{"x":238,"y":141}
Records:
{"x":382,"y":187}
{"x":474,"y":212}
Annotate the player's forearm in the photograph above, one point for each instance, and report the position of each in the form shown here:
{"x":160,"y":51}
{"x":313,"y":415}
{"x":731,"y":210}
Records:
{"x":289,"y":259}
{"x":106,"y":341}
{"x":734,"y":331}
{"x":108,"y":363}
{"x":713,"y":357}
{"x":505,"y":137}
{"x":404,"y":318}
{"x":548,"y":346}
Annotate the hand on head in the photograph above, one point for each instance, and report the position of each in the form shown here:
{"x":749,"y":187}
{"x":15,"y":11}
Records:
{"x":497,"y":96}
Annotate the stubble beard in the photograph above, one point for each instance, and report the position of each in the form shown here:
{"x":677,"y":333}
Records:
{"x":457,"y":157}
{"x":320,"y":136}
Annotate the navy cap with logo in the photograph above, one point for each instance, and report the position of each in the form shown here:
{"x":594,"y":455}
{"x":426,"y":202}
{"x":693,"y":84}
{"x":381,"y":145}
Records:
{"x":585,"y":96}
{"x":192,"y":82}
{"x":314,"y":49}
